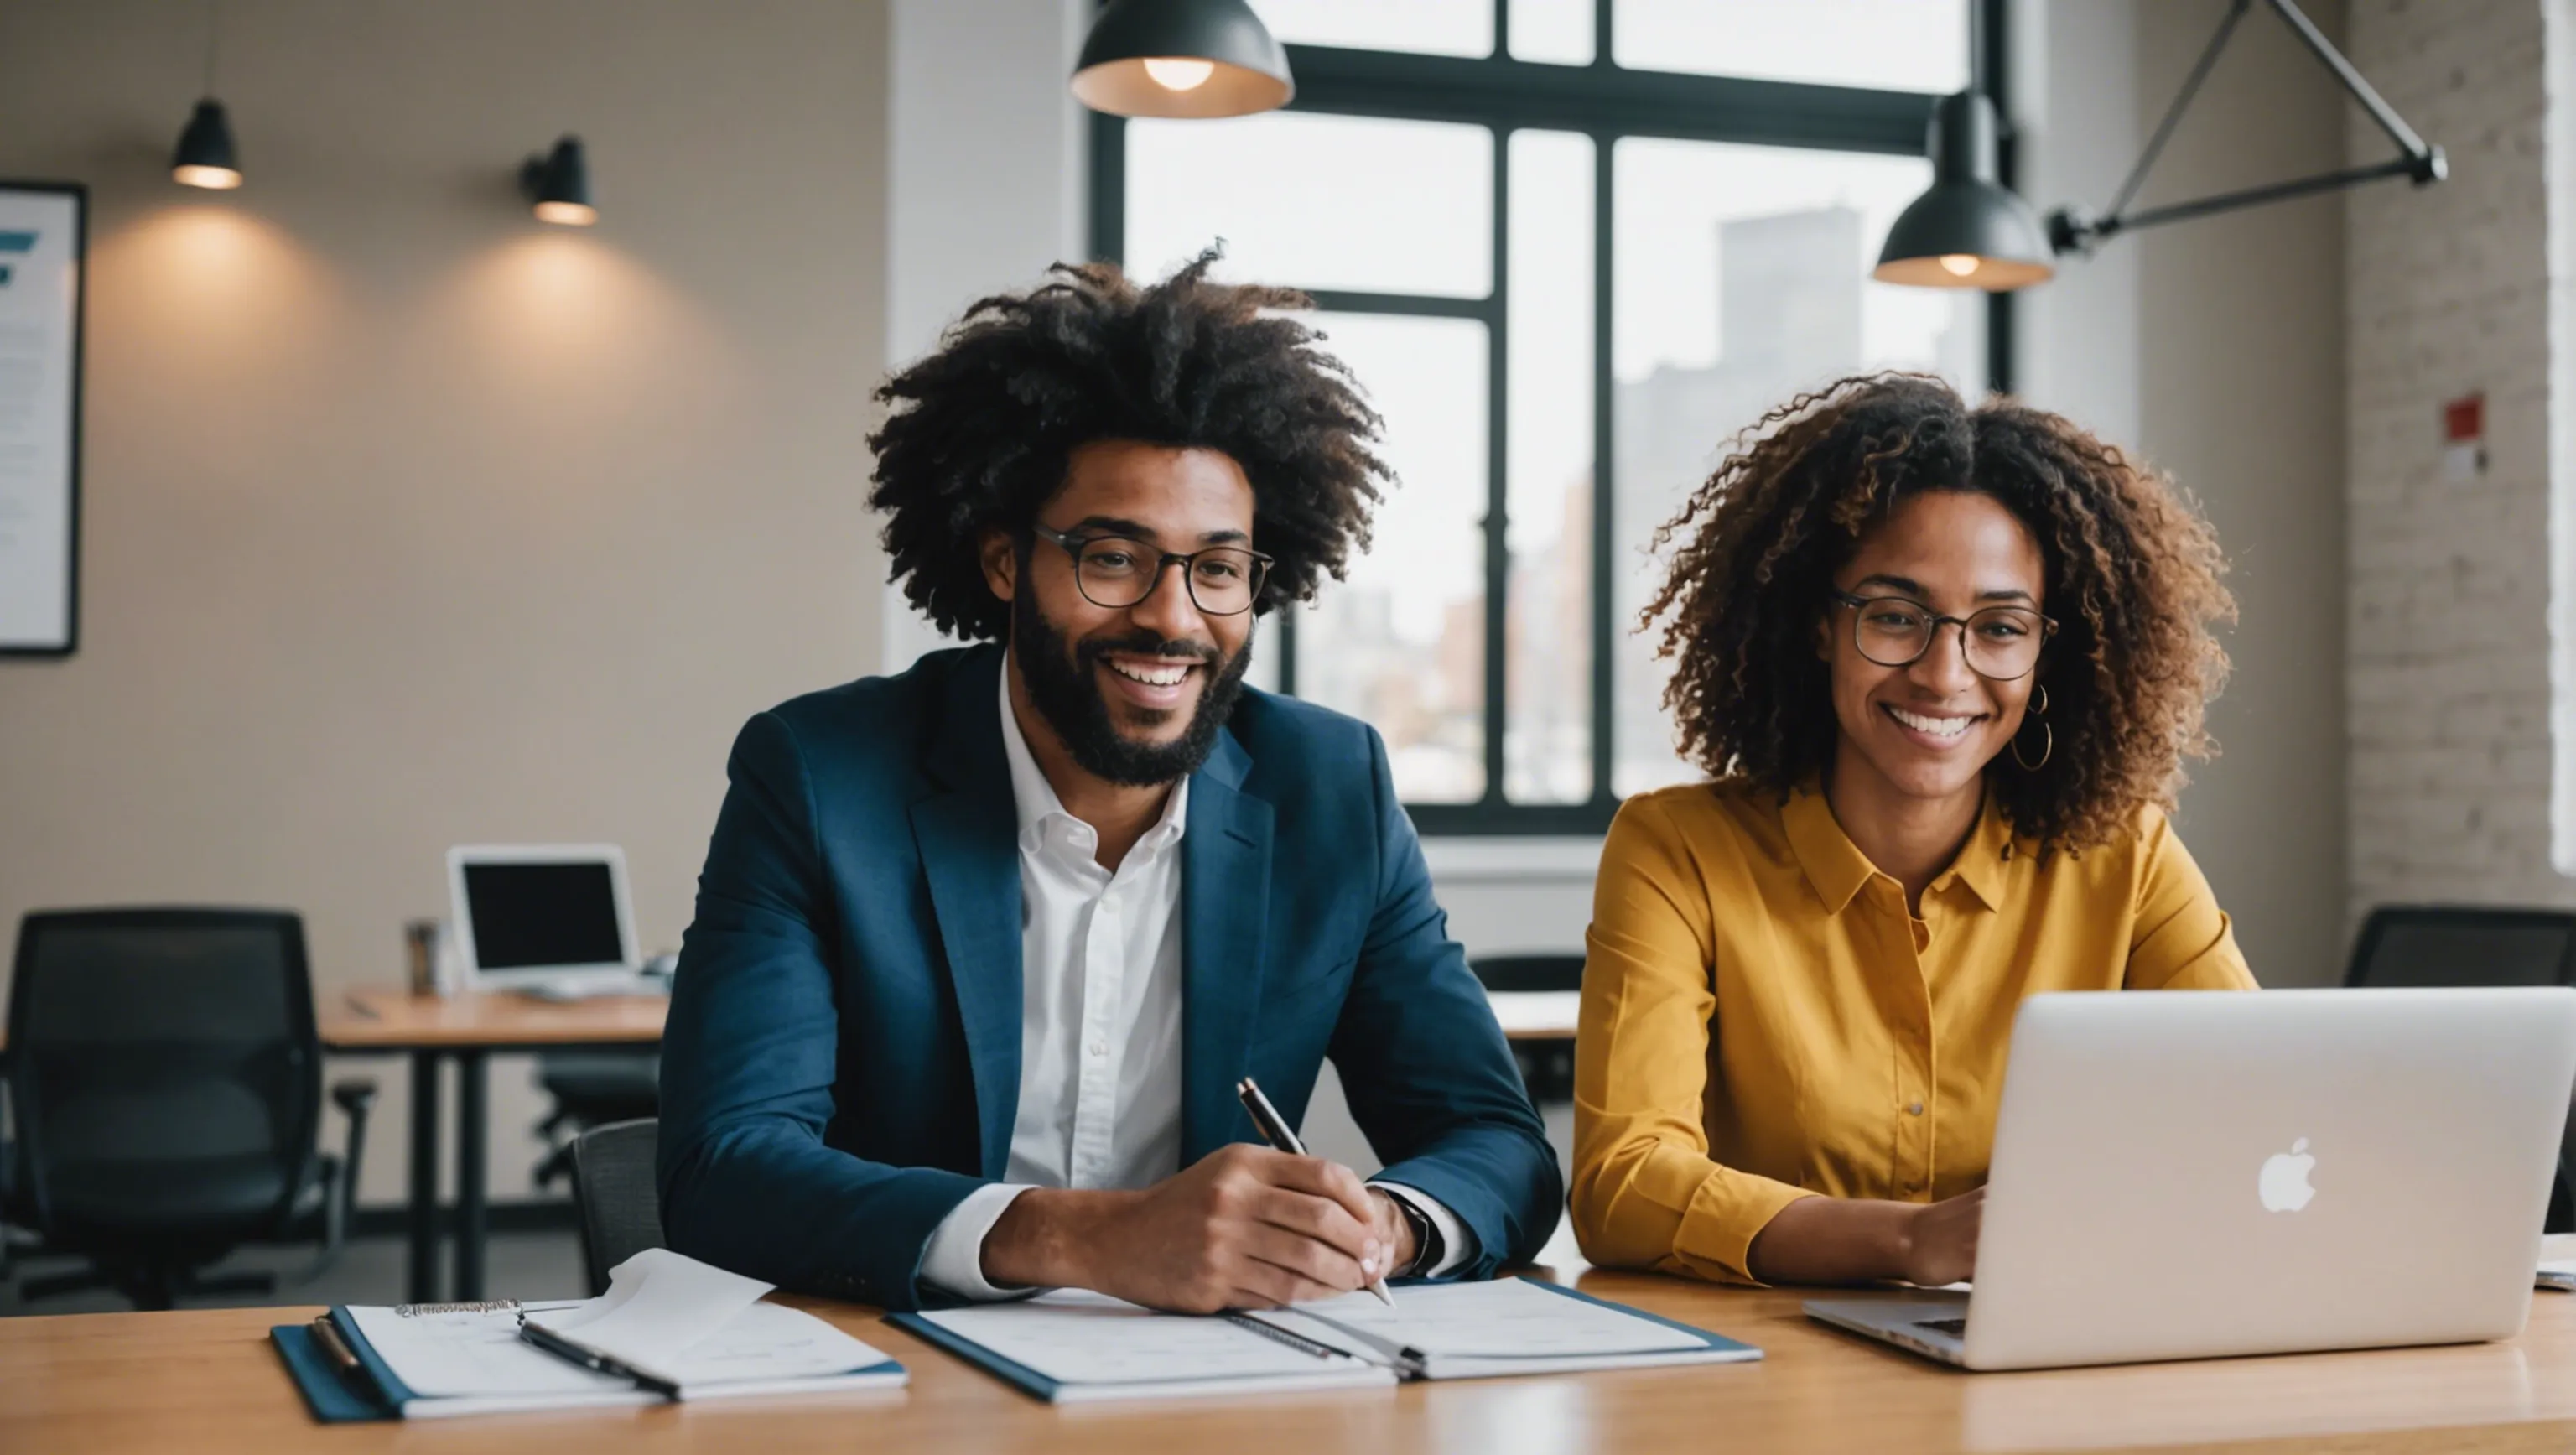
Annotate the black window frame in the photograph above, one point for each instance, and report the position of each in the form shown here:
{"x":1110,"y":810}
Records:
{"x":1605,"y":102}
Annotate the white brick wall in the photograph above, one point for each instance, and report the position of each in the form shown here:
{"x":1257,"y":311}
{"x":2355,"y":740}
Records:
{"x":2448,"y":293}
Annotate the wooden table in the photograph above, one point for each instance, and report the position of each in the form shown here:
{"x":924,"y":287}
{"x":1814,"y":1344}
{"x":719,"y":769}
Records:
{"x":466,"y":1029}
{"x":208,"y":1381}
{"x":1536,"y":1015}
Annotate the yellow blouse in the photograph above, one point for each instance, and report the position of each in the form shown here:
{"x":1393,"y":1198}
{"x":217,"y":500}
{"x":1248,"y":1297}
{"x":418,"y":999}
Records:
{"x":1763,"y":1020}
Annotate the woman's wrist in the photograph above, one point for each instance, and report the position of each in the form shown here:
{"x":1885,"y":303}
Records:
{"x":1835,"y":1240}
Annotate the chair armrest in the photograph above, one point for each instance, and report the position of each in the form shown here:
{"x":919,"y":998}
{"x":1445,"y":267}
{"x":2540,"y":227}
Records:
{"x":357,"y":1098}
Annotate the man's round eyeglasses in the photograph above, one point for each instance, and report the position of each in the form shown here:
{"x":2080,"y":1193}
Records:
{"x":2001,"y":642}
{"x":1116,"y":571}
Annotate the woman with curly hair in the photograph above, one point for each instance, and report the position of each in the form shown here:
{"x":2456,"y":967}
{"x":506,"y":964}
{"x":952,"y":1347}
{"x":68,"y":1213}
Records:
{"x":983,"y":949}
{"x":1942,"y":666}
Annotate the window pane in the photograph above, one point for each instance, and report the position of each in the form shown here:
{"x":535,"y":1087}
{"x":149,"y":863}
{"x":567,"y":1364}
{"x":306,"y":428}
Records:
{"x":1558,"y":31}
{"x":1317,"y":201}
{"x":1898,"y":45}
{"x":1741,"y":277}
{"x":1401,"y":644}
{"x":1547,"y":632}
{"x":1442,"y":27}
{"x":1264,"y":671}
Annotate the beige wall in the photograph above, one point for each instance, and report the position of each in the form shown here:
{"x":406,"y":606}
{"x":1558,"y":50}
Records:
{"x":409,"y":522}
{"x":2240,"y":370}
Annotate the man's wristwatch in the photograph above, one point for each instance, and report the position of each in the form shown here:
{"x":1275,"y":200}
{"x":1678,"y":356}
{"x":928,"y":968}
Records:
{"x":1427,"y":1248}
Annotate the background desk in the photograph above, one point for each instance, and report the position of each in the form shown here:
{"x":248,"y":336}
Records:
{"x":1536,"y":1015}
{"x":208,"y":1381}
{"x":466,"y":1029}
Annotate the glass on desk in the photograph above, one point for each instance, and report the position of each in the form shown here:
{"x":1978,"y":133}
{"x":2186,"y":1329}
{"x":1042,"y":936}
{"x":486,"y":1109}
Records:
{"x":429,"y":951}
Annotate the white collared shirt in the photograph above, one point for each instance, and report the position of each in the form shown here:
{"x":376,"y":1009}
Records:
{"x":1100,"y":1022}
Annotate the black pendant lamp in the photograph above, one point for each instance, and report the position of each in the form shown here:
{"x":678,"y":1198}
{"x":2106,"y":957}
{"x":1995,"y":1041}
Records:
{"x":1968,"y":231}
{"x":557,"y":185}
{"x":205,"y":155}
{"x":1185,"y":58}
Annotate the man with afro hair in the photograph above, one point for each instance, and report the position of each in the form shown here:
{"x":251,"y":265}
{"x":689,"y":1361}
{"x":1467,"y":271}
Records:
{"x":983,"y":950}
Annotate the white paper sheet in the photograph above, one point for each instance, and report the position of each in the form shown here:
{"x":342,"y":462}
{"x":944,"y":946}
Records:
{"x":447,"y":1355}
{"x":658,"y":1303}
{"x":697,"y":1326}
{"x":1505,"y":1319}
{"x":703,"y":1328}
{"x":1084,"y":1338}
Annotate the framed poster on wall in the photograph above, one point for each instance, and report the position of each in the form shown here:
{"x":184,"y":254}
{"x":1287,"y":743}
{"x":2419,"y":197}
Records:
{"x":43,"y":241}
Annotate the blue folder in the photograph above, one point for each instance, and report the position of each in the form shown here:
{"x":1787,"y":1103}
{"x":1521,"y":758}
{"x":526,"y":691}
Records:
{"x":334,"y":1398}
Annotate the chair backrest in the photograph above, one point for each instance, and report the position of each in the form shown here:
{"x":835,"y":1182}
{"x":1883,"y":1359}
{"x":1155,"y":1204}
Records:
{"x":1529,"y":972}
{"x":164,"y":1072}
{"x":2463,"y":945}
{"x":614,"y":1191}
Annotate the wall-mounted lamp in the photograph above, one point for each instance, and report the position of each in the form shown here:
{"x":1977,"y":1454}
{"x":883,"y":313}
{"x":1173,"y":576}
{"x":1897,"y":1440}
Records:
{"x":1941,"y":240}
{"x":1186,"y":58}
{"x":205,"y":155}
{"x":557,"y":185}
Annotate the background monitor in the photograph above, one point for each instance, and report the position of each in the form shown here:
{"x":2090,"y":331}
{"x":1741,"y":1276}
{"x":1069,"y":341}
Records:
{"x":536,"y":912}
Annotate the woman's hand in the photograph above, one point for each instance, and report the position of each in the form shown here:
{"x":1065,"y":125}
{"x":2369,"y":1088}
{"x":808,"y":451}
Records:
{"x":1861,"y":1240}
{"x":1941,"y":1240}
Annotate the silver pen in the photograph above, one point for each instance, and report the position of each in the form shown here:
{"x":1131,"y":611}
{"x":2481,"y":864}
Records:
{"x":1274,"y":1129}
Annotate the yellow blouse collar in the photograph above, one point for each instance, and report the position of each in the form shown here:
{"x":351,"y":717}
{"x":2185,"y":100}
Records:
{"x":1837,"y":868}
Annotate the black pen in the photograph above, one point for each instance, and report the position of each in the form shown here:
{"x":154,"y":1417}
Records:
{"x":563,"y":1348}
{"x":1274,"y":1130}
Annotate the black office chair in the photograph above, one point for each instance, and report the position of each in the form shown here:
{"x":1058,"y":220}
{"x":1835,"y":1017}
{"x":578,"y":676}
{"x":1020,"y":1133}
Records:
{"x":2463,"y":945}
{"x":2458,"y":945}
{"x":1547,"y":1067}
{"x":592,"y":1089}
{"x":165,"y":1083}
{"x":614,"y":1191}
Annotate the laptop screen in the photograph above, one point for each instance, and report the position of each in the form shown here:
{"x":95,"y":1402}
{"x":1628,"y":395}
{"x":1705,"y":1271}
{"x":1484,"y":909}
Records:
{"x":529,"y":916}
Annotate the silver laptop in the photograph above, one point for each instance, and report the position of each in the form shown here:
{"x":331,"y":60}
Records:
{"x":550,"y":919}
{"x":2186,"y":1174}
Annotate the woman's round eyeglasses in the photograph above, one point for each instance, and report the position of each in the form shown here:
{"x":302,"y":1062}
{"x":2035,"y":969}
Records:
{"x":1116,"y":572}
{"x":2001,"y":642}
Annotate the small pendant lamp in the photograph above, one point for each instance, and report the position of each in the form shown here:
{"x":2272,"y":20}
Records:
{"x":1184,"y":58}
{"x":205,"y":156}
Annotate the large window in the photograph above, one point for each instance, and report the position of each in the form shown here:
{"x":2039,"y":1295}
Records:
{"x":1569,"y":247}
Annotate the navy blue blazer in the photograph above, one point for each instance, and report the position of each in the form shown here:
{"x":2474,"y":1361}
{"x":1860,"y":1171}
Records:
{"x":843,"y":1061}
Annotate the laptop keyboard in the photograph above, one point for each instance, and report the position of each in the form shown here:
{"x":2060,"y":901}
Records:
{"x":1957,"y":1328}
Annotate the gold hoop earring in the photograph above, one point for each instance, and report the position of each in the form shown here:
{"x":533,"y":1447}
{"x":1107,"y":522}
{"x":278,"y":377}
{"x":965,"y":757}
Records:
{"x":2048,"y":738}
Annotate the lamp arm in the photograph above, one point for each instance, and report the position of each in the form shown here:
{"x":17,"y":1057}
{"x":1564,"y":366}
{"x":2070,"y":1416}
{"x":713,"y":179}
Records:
{"x":2066,"y":232}
{"x":2181,"y":102}
{"x":2380,"y":111}
{"x":2070,"y":231}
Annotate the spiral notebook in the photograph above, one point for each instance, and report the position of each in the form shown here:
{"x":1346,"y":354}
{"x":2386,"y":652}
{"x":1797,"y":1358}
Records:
{"x":1071,"y":1347}
{"x":675,"y":1328}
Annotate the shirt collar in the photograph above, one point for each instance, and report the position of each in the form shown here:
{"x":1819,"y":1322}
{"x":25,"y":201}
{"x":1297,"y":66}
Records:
{"x":1833,"y":863}
{"x":1035,"y":798}
{"x":1986,"y":856}
{"x":1837,"y":868}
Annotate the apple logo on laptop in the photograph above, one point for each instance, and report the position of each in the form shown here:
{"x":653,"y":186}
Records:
{"x":2284,"y":1185}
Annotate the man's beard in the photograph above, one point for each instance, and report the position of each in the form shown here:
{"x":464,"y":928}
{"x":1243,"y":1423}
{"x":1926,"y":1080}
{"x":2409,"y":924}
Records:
{"x":1065,"y":689}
